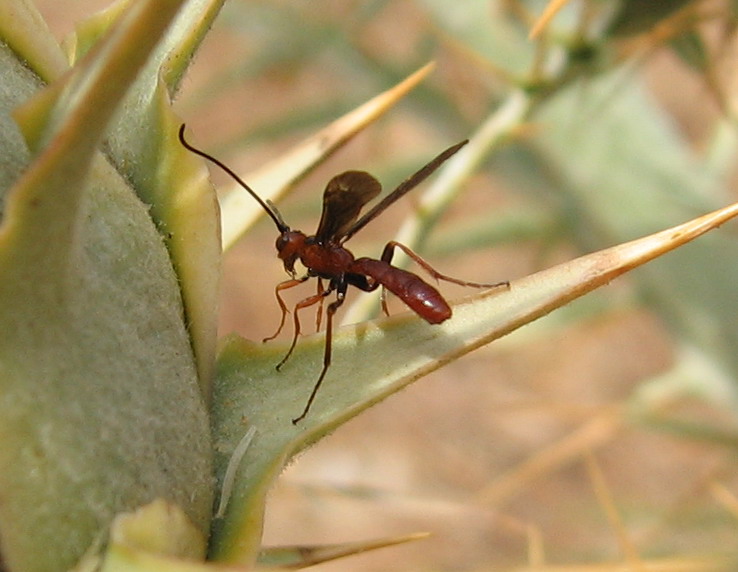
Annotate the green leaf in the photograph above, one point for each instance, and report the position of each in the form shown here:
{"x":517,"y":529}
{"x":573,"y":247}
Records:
{"x":159,"y":528}
{"x":100,"y":409}
{"x":20,"y":84}
{"x":143,"y":146}
{"x":23,"y":28}
{"x":371,"y":361}
{"x":157,"y":537}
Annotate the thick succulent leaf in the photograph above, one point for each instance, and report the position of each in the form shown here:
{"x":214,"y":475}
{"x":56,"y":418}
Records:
{"x":143,"y":146}
{"x":275,"y":178}
{"x":157,"y":537}
{"x":371,"y":361}
{"x":122,"y":558}
{"x":19,"y":84}
{"x":185,"y":209}
{"x":159,"y":528}
{"x":172,"y":55}
{"x":23,"y":28}
{"x":101,"y":410}
{"x":91,"y":30}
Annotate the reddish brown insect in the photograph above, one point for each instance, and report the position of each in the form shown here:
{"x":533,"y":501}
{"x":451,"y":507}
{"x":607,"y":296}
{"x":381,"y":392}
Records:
{"x":325,"y":257}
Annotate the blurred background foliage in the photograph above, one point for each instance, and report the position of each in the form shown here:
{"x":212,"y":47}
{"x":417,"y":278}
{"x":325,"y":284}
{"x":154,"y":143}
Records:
{"x":603,"y":433}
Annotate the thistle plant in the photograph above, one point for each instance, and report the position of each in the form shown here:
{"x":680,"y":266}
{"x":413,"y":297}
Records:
{"x":131,"y":437}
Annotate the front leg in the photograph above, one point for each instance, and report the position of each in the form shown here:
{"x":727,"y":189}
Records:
{"x":341,"y":288}
{"x":291,"y":283}
{"x":309,"y":301}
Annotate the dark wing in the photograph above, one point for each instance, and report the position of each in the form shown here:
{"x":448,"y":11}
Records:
{"x":403,"y":188}
{"x":343,"y":199}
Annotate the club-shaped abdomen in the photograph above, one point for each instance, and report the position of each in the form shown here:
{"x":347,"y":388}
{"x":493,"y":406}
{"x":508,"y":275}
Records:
{"x":420,"y":297}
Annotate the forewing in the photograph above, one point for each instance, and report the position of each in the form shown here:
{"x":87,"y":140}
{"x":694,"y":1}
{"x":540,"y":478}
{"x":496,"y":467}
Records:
{"x":402,"y":189}
{"x":343,"y":199}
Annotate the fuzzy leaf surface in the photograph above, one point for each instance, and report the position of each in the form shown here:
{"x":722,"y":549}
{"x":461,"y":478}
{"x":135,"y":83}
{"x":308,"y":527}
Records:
{"x":142,"y":144}
{"x":100,"y":409}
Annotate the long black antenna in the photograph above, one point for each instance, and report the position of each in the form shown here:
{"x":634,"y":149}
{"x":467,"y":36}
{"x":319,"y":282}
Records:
{"x":268,"y":206}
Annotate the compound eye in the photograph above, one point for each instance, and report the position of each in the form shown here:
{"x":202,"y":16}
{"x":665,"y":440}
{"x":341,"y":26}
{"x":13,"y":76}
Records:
{"x":282,"y":241}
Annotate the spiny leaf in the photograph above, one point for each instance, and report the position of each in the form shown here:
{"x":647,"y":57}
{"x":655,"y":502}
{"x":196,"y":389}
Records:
{"x":159,"y":528}
{"x":157,"y":538}
{"x":142,"y":144}
{"x":23,"y":28}
{"x":100,"y":410}
{"x":392,"y":352}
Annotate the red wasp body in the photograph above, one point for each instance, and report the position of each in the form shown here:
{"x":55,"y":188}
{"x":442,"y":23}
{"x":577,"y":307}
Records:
{"x":325,"y":257}
{"x":420,"y":297}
